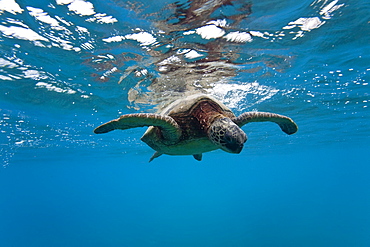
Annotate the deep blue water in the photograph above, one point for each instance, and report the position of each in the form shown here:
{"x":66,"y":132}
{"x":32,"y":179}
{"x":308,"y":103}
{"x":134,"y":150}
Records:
{"x":67,"y":66}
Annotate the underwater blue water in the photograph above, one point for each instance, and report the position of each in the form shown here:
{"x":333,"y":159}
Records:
{"x":67,"y":66}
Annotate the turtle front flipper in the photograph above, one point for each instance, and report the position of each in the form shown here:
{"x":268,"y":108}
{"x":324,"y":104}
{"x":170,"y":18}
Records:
{"x":286,"y":124}
{"x":168,"y":126}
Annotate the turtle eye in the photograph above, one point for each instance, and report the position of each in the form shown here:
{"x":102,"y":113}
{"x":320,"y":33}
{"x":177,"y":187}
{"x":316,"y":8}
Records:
{"x":229,"y":137}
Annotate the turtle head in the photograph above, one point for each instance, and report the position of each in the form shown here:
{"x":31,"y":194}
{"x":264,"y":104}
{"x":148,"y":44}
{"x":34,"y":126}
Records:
{"x":227,"y":135}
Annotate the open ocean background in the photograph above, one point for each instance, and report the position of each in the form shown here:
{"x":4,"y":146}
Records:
{"x":66,"y":66}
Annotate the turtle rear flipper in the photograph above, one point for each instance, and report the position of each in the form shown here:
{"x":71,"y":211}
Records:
{"x":286,"y":124}
{"x":170,"y":129}
{"x":155,"y":155}
{"x":198,"y":157}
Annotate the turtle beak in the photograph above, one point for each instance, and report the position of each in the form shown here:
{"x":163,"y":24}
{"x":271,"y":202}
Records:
{"x":235,"y":144}
{"x":234,"y":148}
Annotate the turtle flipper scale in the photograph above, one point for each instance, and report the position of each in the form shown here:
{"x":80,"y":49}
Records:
{"x":170,"y":129}
{"x":286,"y":124}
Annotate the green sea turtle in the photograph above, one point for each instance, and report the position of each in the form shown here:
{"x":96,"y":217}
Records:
{"x":195,"y":125}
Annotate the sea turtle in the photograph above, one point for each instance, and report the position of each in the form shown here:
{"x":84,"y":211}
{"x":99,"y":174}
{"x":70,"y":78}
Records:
{"x":195,"y":125}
